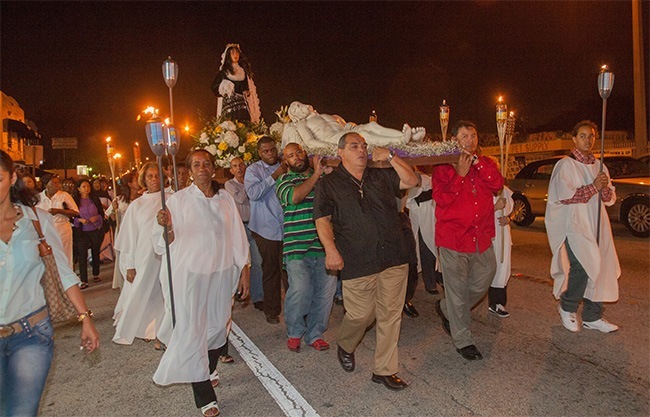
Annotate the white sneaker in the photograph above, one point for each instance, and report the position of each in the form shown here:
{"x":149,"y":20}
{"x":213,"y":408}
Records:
{"x":601,"y":325}
{"x":569,"y":320}
{"x":498,"y":310}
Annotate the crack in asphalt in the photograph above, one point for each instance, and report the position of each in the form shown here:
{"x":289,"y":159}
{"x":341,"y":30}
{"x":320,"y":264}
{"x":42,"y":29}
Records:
{"x":280,"y":389}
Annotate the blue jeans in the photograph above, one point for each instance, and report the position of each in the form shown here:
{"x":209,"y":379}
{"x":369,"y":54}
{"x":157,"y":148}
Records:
{"x":311,"y":293}
{"x":25,"y":360}
{"x":257,"y":291}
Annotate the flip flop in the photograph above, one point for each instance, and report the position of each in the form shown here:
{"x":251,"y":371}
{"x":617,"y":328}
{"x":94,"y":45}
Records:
{"x":212,"y":406}
{"x":97,"y":279}
{"x":83,"y":285}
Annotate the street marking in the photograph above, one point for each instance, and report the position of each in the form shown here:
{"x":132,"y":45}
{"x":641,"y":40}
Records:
{"x":287,"y":397}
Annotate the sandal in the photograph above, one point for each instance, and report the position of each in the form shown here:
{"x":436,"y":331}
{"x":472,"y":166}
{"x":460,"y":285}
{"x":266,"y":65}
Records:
{"x":226,"y":359}
{"x":207,"y":410}
{"x":214,"y":379}
{"x":158,"y":345}
{"x":83,"y":285}
{"x":97,"y":278}
{"x":320,"y":344}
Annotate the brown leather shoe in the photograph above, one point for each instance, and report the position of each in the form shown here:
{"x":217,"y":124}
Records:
{"x":390,"y":381}
{"x":445,"y":323}
{"x":346,"y":359}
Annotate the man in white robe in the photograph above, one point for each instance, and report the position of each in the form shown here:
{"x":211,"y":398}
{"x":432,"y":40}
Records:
{"x":62,"y":206}
{"x":140,"y":308}
{"x":583,"y":267}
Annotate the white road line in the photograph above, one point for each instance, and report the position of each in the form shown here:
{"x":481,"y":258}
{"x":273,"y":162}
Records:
{"x":287,"y":397}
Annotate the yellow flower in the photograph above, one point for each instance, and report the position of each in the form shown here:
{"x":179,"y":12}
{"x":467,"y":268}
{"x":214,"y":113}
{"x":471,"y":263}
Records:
{"x":218,"y":129}
{"x":240,"y":125}
{"x":247,"y":156}
{"x":223,"y":146}
{"x":251,"y":137}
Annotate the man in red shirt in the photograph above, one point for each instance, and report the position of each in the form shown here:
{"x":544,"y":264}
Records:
{"x":464,"y":231}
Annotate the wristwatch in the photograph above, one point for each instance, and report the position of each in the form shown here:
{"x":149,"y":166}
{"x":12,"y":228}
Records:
{"x":391,"y":155}
{"x":82,"y":316}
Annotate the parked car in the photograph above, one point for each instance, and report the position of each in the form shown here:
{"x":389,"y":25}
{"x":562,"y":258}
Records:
{"x":630,"y":176}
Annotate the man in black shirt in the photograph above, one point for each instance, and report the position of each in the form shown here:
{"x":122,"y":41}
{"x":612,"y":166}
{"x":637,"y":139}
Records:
{"x":357,"y":222}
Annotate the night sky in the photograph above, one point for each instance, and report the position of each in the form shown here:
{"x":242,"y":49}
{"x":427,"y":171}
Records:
{"x":87,"y":69}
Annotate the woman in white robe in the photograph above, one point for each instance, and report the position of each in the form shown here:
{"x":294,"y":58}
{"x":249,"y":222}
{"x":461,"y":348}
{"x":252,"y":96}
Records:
{"x":209,"y":253}
{"x":140,"y":308}
{"x":129,"y":191}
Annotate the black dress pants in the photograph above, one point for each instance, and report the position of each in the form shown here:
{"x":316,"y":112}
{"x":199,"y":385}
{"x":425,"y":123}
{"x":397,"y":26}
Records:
{"x":203,"y":392}
{"x":271,"y":252}
{"x":89,"y":240}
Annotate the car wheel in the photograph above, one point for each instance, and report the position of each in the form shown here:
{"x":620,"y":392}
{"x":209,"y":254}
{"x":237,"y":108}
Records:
{"x":635,"y":215}
{"x":521,"y":213}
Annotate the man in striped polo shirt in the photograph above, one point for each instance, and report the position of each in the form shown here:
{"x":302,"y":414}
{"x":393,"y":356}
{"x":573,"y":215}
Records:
{"x":308,"y":301}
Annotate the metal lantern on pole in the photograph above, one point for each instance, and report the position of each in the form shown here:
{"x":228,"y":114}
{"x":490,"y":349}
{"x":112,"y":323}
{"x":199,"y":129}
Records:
{"x":110,"y":153}
{"x":605,"y":85}
{"x":156,"y":137}
{"x":170,"y":74}
{"x":444,"y":119}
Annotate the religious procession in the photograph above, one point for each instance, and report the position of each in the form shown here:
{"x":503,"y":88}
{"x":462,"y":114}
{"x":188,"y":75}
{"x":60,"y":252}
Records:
{"x":315,"y":212}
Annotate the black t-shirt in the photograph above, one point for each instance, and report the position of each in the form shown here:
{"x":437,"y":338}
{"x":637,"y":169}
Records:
{"x":366,"y":225}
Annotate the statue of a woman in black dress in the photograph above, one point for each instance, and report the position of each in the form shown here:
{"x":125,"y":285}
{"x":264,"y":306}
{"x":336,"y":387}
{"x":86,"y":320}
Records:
{"x":234,"y":87}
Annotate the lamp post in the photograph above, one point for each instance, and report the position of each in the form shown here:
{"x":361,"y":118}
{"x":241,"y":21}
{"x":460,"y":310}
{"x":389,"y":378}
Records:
{"x":110,"y":154}
{"x":444,"y":119}
{"x":156,"y":138}
{"x":605,"y":85}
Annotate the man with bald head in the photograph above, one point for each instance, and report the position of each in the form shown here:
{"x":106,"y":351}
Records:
{"x":308,"y":301}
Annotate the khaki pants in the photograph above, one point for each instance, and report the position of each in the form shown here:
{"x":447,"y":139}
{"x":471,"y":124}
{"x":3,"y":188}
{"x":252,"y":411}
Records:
{"x":378,"y":296}
{"x":467,"y":278}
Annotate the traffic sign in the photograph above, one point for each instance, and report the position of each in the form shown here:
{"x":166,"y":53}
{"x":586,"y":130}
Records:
{"x":64,"y":143}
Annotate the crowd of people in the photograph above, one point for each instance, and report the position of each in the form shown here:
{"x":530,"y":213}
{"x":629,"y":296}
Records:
{"x":286,"y":221}
{"x":184,"y":254}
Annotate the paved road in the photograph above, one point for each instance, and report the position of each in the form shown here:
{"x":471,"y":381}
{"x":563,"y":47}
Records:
{"x":532,"y":365}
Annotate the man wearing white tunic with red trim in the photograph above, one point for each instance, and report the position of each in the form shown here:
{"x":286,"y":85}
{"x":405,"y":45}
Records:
{"x":209,"y":252}
{"x":584,"y":268}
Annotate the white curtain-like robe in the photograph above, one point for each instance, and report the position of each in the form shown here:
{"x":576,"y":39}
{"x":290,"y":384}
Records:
{"x":502,"y":234}
{"x":140,"y":308}
{"x":577,"y":224}
{"x":423,"y":218}
{"x":209,"y":250}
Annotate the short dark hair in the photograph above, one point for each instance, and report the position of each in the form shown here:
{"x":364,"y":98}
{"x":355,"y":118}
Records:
{"x":584,"y":123}
{"x":264,"y":139}
{"x":188,"y":158}
{"x":18,"y":193}
{"x":462,"y":124}
{"x":344,"y":137}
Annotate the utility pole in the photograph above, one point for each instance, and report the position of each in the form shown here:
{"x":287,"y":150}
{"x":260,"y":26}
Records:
{"x":640,"y":92}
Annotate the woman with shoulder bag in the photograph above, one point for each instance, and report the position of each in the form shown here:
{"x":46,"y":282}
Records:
{"x":26,"y":343}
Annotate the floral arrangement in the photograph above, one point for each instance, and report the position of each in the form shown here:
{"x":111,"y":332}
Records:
{"x":227,"y":139}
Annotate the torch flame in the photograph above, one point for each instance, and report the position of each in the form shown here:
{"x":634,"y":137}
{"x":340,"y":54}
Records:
{"x":512,"y":114}
{"x":168,"y":121}
{"x":108,"y":139}
{"x":117,"y":155}
{"x":500,"y":99}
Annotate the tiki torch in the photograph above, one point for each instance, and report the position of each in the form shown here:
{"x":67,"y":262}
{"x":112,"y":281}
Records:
{"x":605,"y":85}
{"x":110,"y":153}
{"x":502,"y":118}
{"x":171,"y":143}
{"x":444,"y":119}
{"x":156,"y":137}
